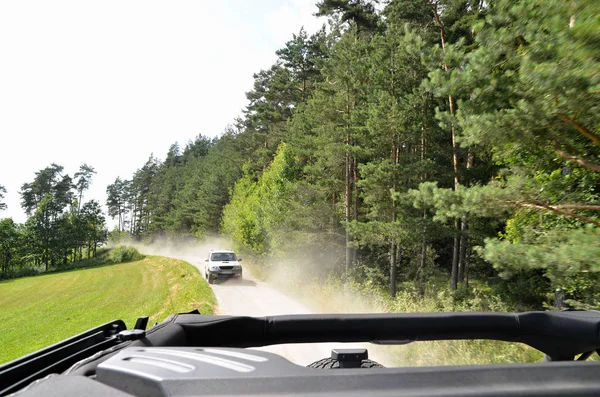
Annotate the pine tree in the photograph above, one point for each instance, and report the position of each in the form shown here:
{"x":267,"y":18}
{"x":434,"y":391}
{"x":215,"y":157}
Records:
{"x":2,"y":193}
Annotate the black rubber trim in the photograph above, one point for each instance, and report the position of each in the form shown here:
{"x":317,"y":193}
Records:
{"x":58,"y":357}
{"x":560,"y":335}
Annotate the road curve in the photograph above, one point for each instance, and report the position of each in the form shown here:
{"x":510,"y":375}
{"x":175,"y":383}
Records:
{"x":251,"y":297}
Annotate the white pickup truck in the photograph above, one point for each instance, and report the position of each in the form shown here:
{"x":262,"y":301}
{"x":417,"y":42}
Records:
{"x":222,"y":264}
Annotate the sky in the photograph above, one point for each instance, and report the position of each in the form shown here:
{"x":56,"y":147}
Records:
{"x":109,"y":83}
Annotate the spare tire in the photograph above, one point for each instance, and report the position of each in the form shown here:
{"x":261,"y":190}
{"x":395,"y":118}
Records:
{"x":330,"y":363}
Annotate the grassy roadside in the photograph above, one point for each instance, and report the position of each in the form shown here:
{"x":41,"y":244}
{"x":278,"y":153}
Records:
{"x":38,"y":311}
{"x":334,"y":296}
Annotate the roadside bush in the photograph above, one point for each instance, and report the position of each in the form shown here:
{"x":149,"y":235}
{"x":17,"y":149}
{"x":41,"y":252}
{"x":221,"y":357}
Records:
{"x":124,"y":253}
{"x":104,"y":256}
{"x":21,"y":272}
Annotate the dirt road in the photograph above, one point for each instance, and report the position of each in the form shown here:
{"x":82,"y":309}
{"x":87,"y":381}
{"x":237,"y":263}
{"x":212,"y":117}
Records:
{"x":251,"y":297}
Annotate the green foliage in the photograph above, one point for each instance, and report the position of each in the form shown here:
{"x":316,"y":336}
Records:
{"x":124,"y":253}
{"x":529,"y":94}
{"x":116,"y":201}
{"x":358,"y":12}
{"x":565,"y":255}
{"x":83,"y":180}
{"x":239,"y":221}
{"x":59,"y":228}
{"x":2,"y":193}
{"x":303,"y":56}
{"x":277,"y":212}
{"x":9,"y":244}
{"x":117,"y":236}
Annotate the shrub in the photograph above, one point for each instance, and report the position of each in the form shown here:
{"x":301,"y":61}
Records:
{"x":21,"y":272}
{"x":124,"y":253}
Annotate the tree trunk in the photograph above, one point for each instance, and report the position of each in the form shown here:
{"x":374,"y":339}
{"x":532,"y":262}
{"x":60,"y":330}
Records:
{"x":347,"y":211}
{"x":304,"y":90}
{"x":133,"y":220}
{"x":393,"y":269}
{"x":463,"y":251}
{"x":355,"y":199}
{"x":451,"y":105}
{"x":559,"y":298}
{"x":454,"y":147}
{"x":457,"y":248}
{"x":422,"y":269}
{"x":423,"y":259}
{"x":138,"y":221}
{"x":333,"y":217}
{"x":348,"y":203}
{"x":463,"y":263}
{"x":467,"y":269}
{"x":394,"y":153}
{"x":45,"y":257}
{"x":455,"y":255}
{"x":6,"y":262}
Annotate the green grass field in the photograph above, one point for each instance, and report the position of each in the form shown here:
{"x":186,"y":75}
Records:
{"x":38,"y":311}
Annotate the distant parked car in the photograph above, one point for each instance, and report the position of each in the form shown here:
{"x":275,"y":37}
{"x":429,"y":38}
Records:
{"x":222,"y":264}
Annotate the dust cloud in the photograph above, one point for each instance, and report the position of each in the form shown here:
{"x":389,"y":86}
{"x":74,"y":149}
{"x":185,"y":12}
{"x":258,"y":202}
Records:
{"x":301,"y":282}
{"x":311,"y":273}
{"x":189,"y":249}
{"x":314,"y":274}
{"x":308,"y":279}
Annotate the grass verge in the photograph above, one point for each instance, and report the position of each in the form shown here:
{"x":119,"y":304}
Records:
{"x":38,"y":311}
